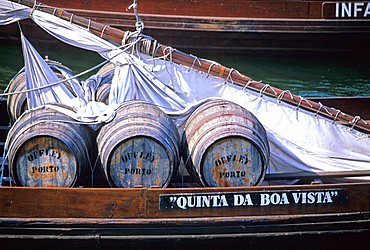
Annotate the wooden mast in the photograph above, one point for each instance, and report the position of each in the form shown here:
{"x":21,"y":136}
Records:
{"x":116,"y":36}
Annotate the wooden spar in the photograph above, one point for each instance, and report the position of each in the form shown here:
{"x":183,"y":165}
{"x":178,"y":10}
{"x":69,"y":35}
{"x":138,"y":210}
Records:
{"x":116,"y":36}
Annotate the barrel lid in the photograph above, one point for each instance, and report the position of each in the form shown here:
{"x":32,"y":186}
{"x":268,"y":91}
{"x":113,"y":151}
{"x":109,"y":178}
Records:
{"x":140,"y":161}
{"x":232,"y":161}
{"x":45,"y":161}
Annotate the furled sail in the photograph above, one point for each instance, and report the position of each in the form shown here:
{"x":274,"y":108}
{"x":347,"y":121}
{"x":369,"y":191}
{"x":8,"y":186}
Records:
{"x":11,"y":12}
{"x":39,"y":76}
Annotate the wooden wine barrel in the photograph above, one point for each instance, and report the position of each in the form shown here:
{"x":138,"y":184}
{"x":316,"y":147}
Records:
{"x":139,"y":147}
{"x":47,"y":148}
{"x":17,"y":103}
{"x":225,"y":145}
{"x":102,"y":93}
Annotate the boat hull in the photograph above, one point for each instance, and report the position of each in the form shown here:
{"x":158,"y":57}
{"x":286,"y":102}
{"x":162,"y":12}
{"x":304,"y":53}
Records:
{"x":104,"y":218}
{"x":306,"y":232}
{"x":236,"y":27}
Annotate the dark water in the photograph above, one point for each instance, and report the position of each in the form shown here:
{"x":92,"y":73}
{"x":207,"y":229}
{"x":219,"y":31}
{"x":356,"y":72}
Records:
{"x":11,"y":60}
{"x":305,"y":76}
{"x":308,"y":76}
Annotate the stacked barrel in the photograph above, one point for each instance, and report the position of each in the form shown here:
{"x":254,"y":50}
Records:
{"x":222,"y":145}
{"x":47,"y":148}
{"x":139,"y":148}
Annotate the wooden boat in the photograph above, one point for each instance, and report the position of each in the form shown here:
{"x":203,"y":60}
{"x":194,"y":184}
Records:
{"x":335,"y":215}
{"x":317,"y":212}
{"x":240,"y":26}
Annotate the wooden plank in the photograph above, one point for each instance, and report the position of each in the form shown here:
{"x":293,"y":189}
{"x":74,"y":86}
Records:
{"x":315,"y":231}
{"x":139,"y":203}
{"x":248,"y":8}
{"x":71,"y":203}
{"x":126,"y":21}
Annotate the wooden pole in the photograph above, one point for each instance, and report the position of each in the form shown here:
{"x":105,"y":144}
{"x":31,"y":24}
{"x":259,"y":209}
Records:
{"x":116,"y":36}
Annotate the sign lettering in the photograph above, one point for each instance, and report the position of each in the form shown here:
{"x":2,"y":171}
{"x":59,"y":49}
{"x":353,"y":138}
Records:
{"x":255,"y":198}
{"x":346,"y":10}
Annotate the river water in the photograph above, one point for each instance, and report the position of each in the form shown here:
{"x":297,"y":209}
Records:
{"x":307,"y":76}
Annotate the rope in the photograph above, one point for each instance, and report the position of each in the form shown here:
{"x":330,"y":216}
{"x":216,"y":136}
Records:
{"x":34,"y":7}
{"x":195,"y":59}
{"x":354,"y":121}
{"x":70,"y":78}
{"x":281,"y":96}
{"x":264,"y":89}
{"x":155,"y":47}
{"x":168,"y":54}
{"x":247,"y":85}
{"x":210,"y":67}
{"x":139,"y":23}
{"x":336,"y":115}
{"x":88,"y":25}
{"x":317,"y":112}
{"x":92,"y":168}
{"x":165,"y":56}
{"x":102,"y":32}
{"x":326,"y":110}
{"x":299,"y":103}
{"x":309,"y":103}
{"x":229,"y":76}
